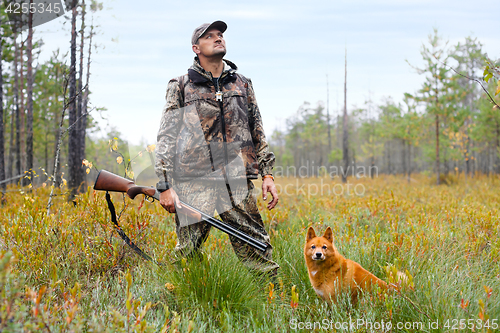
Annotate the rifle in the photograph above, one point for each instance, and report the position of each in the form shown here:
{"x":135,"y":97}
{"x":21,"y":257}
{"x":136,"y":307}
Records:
{"x":107,"y":181}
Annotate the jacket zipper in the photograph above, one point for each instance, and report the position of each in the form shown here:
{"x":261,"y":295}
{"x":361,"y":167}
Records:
{"x":218,"y":95}
{"x":218,"y":98}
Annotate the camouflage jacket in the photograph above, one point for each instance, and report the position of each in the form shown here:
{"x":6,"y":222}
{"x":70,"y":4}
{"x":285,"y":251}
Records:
{"x":202,"y":136}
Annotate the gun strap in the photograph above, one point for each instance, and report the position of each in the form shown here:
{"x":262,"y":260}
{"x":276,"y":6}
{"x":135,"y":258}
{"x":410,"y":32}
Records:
{"x":122,"y":234}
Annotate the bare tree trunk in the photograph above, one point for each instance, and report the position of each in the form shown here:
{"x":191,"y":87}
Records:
{"x":22,"y":134}
{"x":489,"y":160}
{"x":18,"y":110}
{"x":73,"y":149}
{"x":445,"y":161}
{"x":409,"y":162}
{"x":328,"y":118}
{"x":372,"y":165}
{"x":339,"y":141}
{"x":372,"y":158}
{"x":484,"y":160}
{"x":473,"y":157}
{"x":497,"y":146}
{"x":354,"y":166}
{"x":467,"y":158}
{"x":403,"y":157}
{"x":80,"y":96}
{"x":46,"y":146}
{"x":56,"y":131}
{"x":320,"y":162}
{"x":10,"y":162}
{"x":470,"y":163}
{"x":58,"y":150}
{"x":389,"y":164}
{"x":466,"y":167}
{"x":437,"y":150}
{"x":29,"y":77}
{"x":437,"y":135}
{"x":345,"y":141}
{"x":481,"y":161}
{"x":2,"y":143}
{"x":82,"y":109}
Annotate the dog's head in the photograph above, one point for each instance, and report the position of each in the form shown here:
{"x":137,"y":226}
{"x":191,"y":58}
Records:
{"x":319,"y":248}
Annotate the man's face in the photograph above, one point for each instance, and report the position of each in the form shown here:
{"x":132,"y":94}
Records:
{"x":211,"y":44}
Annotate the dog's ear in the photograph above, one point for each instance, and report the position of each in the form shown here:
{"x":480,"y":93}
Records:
{"x":328,"y":234}
{"x":310,"y":234}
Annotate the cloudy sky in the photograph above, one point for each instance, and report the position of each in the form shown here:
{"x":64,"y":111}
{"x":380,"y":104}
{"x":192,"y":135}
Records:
{"x":287,"y":48}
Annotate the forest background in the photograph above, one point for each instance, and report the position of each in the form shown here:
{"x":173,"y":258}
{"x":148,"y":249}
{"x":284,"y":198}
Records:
{"x":448,"y":126}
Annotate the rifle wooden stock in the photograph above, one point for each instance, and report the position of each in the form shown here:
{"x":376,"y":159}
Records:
{"x":107,"y":181}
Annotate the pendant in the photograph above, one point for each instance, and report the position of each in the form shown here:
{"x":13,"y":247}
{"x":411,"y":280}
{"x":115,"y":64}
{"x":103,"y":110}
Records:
{"x":218,"y":96}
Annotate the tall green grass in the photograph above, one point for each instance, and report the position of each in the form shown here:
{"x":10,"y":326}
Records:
{"x":71,"y":272}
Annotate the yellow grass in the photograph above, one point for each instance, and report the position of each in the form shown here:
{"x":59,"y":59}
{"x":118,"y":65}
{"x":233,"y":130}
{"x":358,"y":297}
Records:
{"x":446,"y":237}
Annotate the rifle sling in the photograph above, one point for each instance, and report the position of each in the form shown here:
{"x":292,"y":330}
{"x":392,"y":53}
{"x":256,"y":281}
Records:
{"x":122,"y":234}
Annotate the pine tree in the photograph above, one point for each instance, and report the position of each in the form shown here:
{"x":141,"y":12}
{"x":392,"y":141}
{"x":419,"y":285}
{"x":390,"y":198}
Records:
{"x":435,"y":90}
{"x":345,"y":136}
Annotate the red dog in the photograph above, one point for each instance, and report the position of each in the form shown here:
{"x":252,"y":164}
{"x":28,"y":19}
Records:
{"x":331,"y":274}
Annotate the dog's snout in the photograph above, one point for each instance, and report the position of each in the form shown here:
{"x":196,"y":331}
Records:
{"x":318,"y":254}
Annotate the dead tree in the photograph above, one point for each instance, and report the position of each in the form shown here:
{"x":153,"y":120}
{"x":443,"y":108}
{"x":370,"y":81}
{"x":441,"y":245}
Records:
{"x":2,"y":144}
{"x":345,"y":139}
{"x":29,"y":78}
{"x":17,"y":148}
{"x":81,"y":114}
{"x":74,"y":164}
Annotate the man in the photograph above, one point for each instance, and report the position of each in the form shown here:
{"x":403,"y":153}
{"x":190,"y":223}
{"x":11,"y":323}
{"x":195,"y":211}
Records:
{"x":211,"y":144}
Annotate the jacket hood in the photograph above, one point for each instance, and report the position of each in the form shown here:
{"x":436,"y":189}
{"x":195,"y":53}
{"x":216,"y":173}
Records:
{"x":199,"y":75}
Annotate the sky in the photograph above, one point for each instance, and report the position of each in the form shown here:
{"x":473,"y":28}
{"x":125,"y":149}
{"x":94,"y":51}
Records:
{"x":288,"y":48}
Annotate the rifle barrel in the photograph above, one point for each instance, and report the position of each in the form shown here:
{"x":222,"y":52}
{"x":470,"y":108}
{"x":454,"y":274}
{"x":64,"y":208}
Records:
{"x":228,"y":229}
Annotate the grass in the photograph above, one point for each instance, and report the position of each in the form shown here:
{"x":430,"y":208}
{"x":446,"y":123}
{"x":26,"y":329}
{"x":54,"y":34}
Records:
{"x":71,"y":272}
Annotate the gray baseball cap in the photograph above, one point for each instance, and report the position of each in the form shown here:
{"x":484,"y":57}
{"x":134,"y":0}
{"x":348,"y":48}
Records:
{"x":198,"y":32}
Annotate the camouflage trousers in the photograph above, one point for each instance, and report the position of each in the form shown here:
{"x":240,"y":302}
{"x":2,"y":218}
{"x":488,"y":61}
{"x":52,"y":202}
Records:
{"x":236,"y":206}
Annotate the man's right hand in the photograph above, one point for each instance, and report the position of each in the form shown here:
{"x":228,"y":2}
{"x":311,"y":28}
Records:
{"x":169,"y":200}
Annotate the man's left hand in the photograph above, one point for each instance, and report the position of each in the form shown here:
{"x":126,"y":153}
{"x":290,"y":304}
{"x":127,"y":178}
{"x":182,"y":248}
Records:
{"x":269,"y":187}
